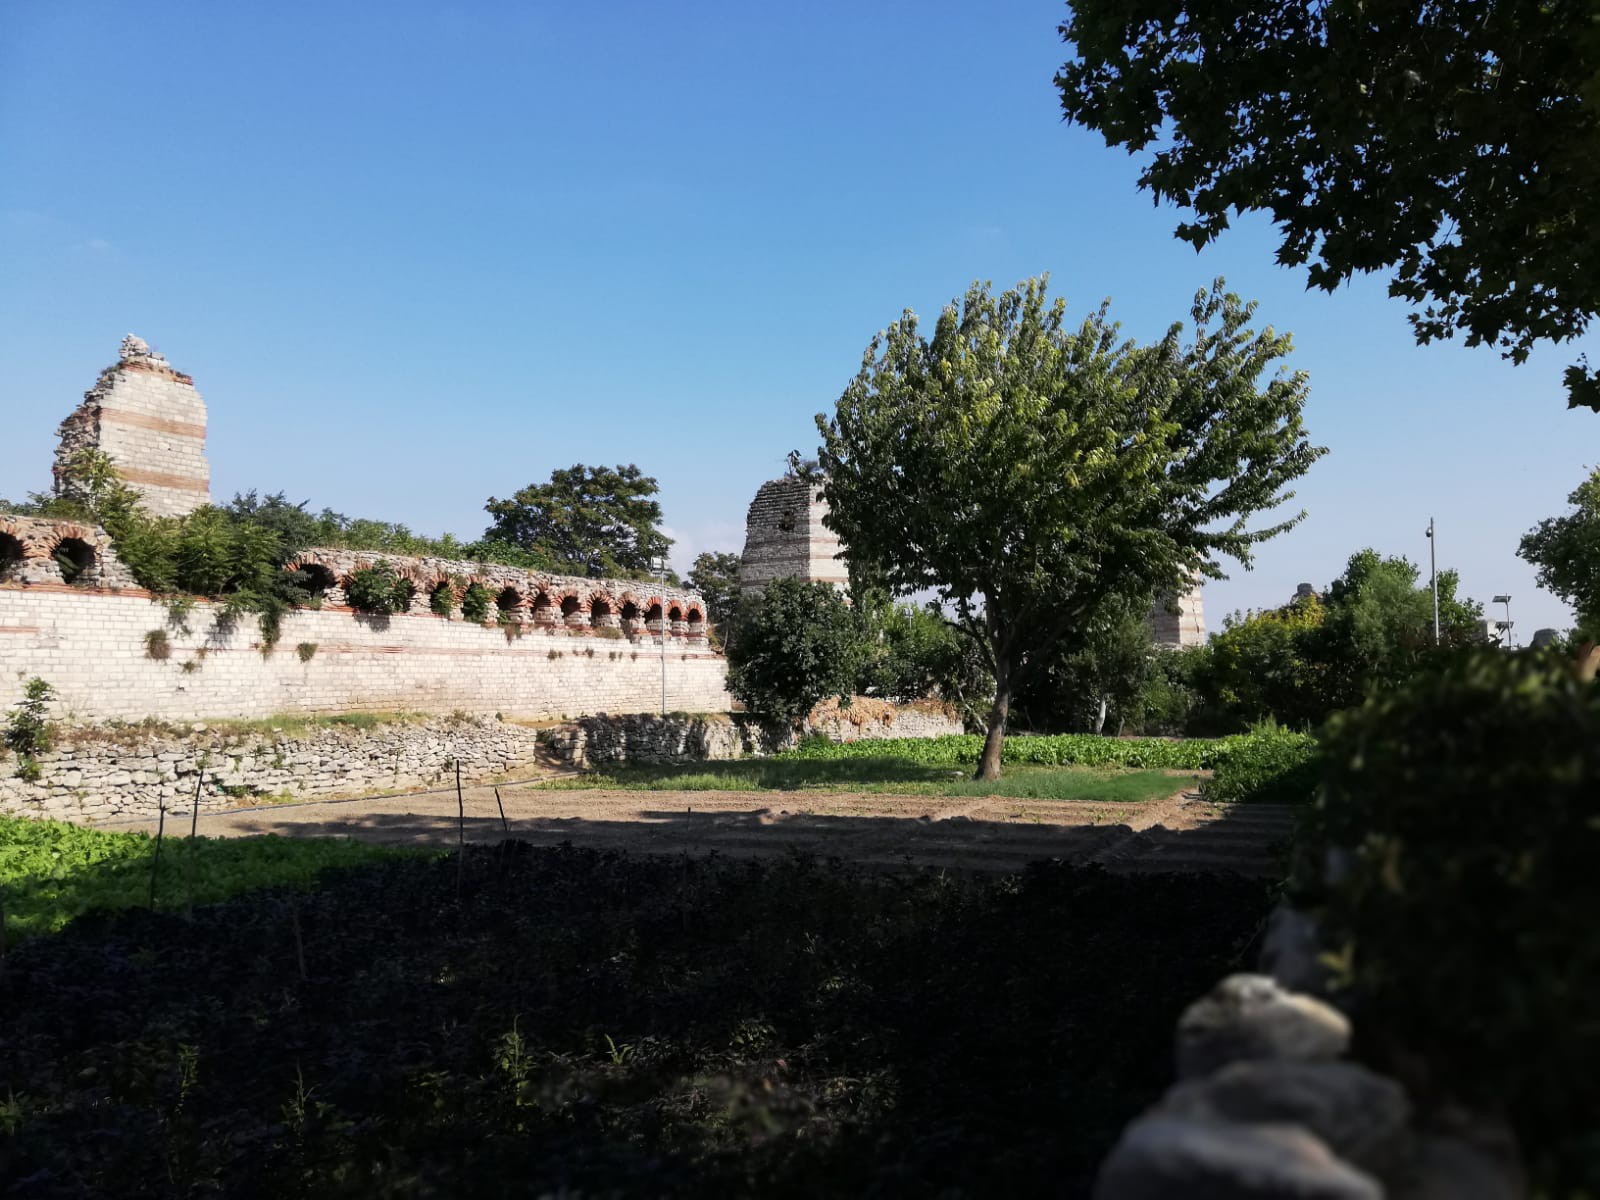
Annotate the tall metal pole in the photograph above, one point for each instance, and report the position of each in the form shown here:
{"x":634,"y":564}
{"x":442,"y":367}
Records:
{"x":1433,"y":564}
{"x":663,"y":637}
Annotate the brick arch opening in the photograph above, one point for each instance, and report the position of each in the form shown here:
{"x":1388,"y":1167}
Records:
{"x":675,"y":613}
{"x":630,"y":610}
{"x":314,"y":578}
{"x":600,"y":605}
{"x":653,"y":613}
{"x":544,"y":608}
{"x":696,"y":621}
{"x":11,"y":556}
{"x":442,"y":597}
{"x":509,"y":604}
{"x":76,"y":559}
{"x":570,"y":606}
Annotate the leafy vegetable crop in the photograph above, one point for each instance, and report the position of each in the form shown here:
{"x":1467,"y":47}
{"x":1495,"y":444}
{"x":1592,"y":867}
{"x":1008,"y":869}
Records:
{"x":51,"y":871}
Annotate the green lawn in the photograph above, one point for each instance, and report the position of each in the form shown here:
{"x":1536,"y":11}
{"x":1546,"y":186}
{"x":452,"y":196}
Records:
{"x":888,"y":775}
{"x":51,"y":872}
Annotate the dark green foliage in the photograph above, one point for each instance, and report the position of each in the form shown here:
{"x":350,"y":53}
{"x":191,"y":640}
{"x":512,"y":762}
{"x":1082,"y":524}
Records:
{"x":306,"y":650}
{"x":1566,"y":550}
{"x":913,"y":653}
{"x":1373,"y":628}
{"x":28,"y":732}
{"x":1070,"y":466}
{"x":378,"y":590}
{"x":1107,"y":658}
{"x":586,"y":521}
{"x":715,"y":576}
{"x":798,"y":644}
{"x":1268,"y":765}
{"x":476,"y":602}
{"x":568,"y":1022}
{"x":1467,"y":805}
{"x":442,"y":600}
{"x":1457,"y":144}
{"x":157,"y":645}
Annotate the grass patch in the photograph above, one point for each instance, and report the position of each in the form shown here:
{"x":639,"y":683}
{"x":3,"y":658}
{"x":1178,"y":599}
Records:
{"x":880,"y":774}
{"x":52,"y":872}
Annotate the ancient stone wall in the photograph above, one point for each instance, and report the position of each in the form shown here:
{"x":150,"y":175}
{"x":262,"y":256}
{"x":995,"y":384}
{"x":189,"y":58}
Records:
{"x":98,"y":774}
{"x":785,"y":537}
{"x":710,"y":737}
{"x":151,"y":422}
{"x":36,"y":550}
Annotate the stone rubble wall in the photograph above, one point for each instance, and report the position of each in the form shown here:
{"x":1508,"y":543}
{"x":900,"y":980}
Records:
{"x":91,"y":646}
{"x":96,"y":774}
{"x":609,"y":738}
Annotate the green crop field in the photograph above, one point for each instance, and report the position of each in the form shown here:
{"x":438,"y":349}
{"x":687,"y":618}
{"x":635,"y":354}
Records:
{"x":51,"y":872}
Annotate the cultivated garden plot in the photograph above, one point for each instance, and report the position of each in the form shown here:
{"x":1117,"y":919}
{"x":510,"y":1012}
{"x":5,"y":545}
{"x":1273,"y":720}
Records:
{"x":542,"y":1021}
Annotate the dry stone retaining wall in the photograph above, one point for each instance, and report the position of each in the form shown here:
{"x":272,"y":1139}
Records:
{"x":98,"y":774}
{"x":606,"y":739}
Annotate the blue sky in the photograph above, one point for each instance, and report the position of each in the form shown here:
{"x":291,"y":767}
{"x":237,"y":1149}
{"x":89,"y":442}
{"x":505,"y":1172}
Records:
{"x":416,"y":260}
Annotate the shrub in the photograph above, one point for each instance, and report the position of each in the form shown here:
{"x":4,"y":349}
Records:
{"x":306,"y":650}
{"x":442,"y":600}
{"x":476,"y":603}
{"x":798,"y":642}
{"x":1462,"y":815}
{"x":1269,"y":764}
{"x":157,"y":646}
{"x":378,"y":590}
{"x":28,"y":732}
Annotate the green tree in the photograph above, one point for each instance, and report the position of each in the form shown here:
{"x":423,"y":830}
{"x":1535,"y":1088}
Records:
{"x":587,"y":520}
{"x":1566,"y":550}
{"x":912,"y":653}
{"x":798,"y":644}
{"x":1260,"y":666}
{"x":1456,"y":144}
{"x":1027,"y":472}
{"x":715,"y":575}
{"x":1097,"y":675}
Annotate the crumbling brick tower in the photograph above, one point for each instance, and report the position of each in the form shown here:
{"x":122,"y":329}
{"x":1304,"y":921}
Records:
{"x":1179,"y":621}
{"x":151,"y":422}
{"x":785,"y":538}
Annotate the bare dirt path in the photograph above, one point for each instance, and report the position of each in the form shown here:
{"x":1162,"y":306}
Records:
{"x":1179,"y":833}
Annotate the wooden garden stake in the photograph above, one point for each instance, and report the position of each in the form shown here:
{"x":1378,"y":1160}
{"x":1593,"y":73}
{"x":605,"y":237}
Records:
{"x":155,"y":863}
{"x":504,"y":825}
{"x":194,"y":822}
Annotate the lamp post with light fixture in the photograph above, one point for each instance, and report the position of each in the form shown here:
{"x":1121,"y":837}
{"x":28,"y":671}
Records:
{"x":1506,"y":624}
{"x":1433,"y":567}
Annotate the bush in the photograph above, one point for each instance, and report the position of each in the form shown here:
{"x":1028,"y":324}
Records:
{"x":28,"y":732}
{"x":157,"y":645}
{"x":476,"y":603}
{"x":378,"y":590}
{"x":1468,"y":807}
{"x":797,"y":643}
{"x":1269,"y":764}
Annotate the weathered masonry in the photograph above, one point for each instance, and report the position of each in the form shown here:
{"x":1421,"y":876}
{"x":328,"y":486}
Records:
{"x":150,"y":422}
{"x":551,"y":645}
{"x":786,"y":539}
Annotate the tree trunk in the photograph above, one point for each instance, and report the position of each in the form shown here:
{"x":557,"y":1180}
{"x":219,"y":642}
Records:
{"x":1100,"y":722}
{"x":989,"y":764}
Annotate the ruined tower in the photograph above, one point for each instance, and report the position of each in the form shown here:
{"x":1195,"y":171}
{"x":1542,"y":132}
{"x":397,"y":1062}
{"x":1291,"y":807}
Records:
{"x":785,"y":538}
{"x":1179,"y":621}
{"x":151,"y":422}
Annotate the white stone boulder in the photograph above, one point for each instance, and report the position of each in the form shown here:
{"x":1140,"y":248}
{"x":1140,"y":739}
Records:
{"x":1250,"y":1017}
{"x":1183,"y":1158}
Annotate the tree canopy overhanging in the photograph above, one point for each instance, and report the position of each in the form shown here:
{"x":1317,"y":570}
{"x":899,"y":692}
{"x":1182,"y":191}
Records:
{"x":1028,"y":473}
{"x":1457,"y":145}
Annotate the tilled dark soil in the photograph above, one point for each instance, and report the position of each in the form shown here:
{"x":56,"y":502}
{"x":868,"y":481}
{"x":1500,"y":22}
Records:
{"x":560,"y":1021}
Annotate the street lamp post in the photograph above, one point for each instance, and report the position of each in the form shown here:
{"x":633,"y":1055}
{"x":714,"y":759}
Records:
{"x":659,"y":565}
{"x":1433,"y":570}
{"x":1506,"y":624}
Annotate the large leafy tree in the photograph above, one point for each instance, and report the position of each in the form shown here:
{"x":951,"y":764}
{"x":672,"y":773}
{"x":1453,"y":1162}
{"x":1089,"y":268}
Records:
{"x":1566,"y":549}
{"x":1456,"y":144}
{"x":715,"y":575}
{"x":586,"y":520}
{"x":1026,"y":472}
